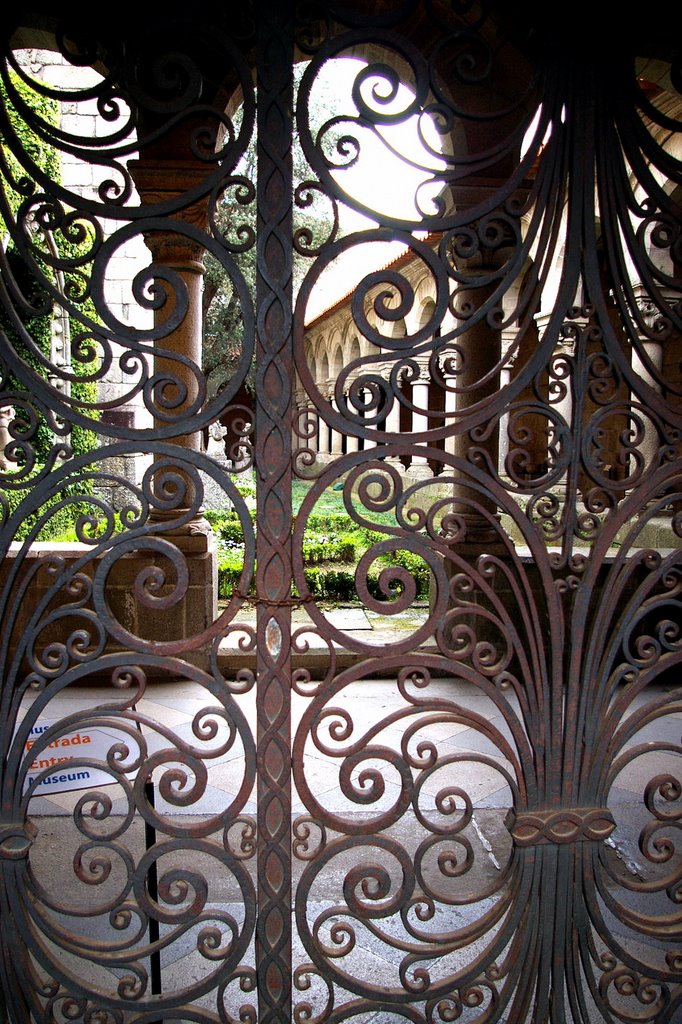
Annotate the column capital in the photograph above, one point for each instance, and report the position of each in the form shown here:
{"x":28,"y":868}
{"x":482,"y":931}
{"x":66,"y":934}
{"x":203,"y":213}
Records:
{"x":159,"y":181}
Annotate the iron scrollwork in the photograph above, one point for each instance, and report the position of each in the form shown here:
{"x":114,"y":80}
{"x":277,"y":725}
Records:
{"x":472,"y":807}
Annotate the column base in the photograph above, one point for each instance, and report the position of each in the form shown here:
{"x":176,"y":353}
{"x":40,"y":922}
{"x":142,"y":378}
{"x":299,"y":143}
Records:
{"x":419,"y":471}
{"x":189,"y":612}
{"x":656,"y":532}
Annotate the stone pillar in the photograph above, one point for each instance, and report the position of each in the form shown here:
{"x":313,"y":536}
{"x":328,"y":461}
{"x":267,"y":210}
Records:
{"x":352,"y":443}
{"x":304,"y":420}
{"x":393,"y":419}
{"x":159,"y":180}
{"x":6,"y":413}
{"x":420,"y":422}
{"x":325,"y":432}
{"x":336,"y":436}
{"x":450,"y":408}
{"x":313,"y":441}
{"x":481,"y":347}
{"x":392,"y":422}
{"x":366,"y":442}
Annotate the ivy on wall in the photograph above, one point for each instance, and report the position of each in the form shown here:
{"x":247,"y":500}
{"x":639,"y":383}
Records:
{"x":40,"y":326}
{"x":36,"y":314}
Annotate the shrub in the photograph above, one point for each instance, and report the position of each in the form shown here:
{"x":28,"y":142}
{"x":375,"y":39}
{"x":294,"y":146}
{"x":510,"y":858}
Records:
{"x":331,"y":584}
{"x":332,"y":546}
{"x":227,"y":526}
{"x":230,"y":565}
{"x":321,"y":548}
{"x":58,"y":525}
{"x":415,"y":565}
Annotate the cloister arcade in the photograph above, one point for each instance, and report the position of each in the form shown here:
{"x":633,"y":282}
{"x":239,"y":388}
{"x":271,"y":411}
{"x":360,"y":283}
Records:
{"x":430,"y":396}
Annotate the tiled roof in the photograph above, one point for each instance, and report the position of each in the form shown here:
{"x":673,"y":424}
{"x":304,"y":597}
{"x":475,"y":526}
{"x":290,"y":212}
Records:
{"x":397,"y":262}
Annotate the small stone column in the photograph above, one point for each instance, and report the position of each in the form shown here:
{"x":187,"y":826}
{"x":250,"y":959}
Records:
{"x":352,"y":443}
{"x":325,"y":432}
{"x":481,"y":347}
{"x":420,"y":422}
{"x":450,"y":409}
{"x":336,"y":436}
{"x":393,"y":419}
{"x":6,"y":413}
{"x":392,"y":423}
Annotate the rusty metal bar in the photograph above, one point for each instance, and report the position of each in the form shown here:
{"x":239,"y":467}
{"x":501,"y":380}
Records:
{"x":273,"y":468}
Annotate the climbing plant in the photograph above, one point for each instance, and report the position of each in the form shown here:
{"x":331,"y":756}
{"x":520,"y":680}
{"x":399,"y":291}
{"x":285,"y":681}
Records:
{"x":36,"y":320}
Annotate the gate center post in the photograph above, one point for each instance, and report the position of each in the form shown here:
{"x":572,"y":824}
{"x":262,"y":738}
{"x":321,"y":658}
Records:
{"x":274,"y":376}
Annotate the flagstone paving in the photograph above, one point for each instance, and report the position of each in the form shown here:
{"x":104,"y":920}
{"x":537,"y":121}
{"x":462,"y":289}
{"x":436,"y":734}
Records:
{"x":469,"y":737}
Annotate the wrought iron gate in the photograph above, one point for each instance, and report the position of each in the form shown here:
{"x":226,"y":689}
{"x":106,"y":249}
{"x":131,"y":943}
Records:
{"x":468,"y":807}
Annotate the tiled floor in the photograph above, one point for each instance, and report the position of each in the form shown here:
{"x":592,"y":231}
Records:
{"x":464,"y":725}
{"x":470,"y":723}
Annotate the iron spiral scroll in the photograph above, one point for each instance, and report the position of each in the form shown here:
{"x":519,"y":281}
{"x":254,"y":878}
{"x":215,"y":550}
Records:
{"x":468,"y":807}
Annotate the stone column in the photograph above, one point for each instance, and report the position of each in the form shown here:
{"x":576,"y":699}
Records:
{"x":336,"y":436}
{"x":305,"y":418}
{"x":450,"y":407}
{"x":365,"y":442}
{"x":392,"y":421}
{"x":477,"y":380}
{"x":352,"y":443}
{"x":420,"y":422}
{"x":313,"y":441}
{"x":325,"y":431}
{"x":6,"y":413}
{"x":159,"y":180}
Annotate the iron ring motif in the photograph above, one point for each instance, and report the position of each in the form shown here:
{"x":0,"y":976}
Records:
{"x":16,"y":839}
{"x":565,"y":825}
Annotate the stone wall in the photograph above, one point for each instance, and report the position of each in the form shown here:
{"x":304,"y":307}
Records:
{"x":45,"y":596}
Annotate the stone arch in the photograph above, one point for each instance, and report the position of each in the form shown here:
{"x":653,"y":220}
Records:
{"x":337,"y":362}
{"x":353,"y":349}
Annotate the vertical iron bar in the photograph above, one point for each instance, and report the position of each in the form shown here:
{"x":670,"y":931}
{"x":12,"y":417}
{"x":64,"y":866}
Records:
{"x":274,"y":371}
{"x":153,"y":889}
{"x":152,"y":886}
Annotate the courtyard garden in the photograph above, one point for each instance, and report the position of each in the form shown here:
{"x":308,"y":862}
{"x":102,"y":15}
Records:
{"x":332,"y":548}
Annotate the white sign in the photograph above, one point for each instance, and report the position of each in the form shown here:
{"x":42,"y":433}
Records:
{"x":63,"y":749}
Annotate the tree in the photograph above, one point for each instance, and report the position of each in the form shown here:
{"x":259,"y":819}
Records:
{"x":236,"y":219}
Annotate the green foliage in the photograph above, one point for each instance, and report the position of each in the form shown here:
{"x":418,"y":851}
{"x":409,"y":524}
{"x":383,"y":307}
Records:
{"x":320,"y":548}
{"x":331,"y":584}
{"x":415,"y":565}
{"x":79,"y":241}
{"x":236,"y":220}
{"x":84,"y":356}
{"x":332,"y":547}
{"x":227,"y":526}
{"x":38,"y":151}
{"x":329,"y":522}
{"x":40,"y":330}
{"x":58,"y":524}
{"x":230,"y":566}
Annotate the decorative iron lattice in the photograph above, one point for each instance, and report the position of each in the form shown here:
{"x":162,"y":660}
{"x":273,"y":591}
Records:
{"x":473,"y":813}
